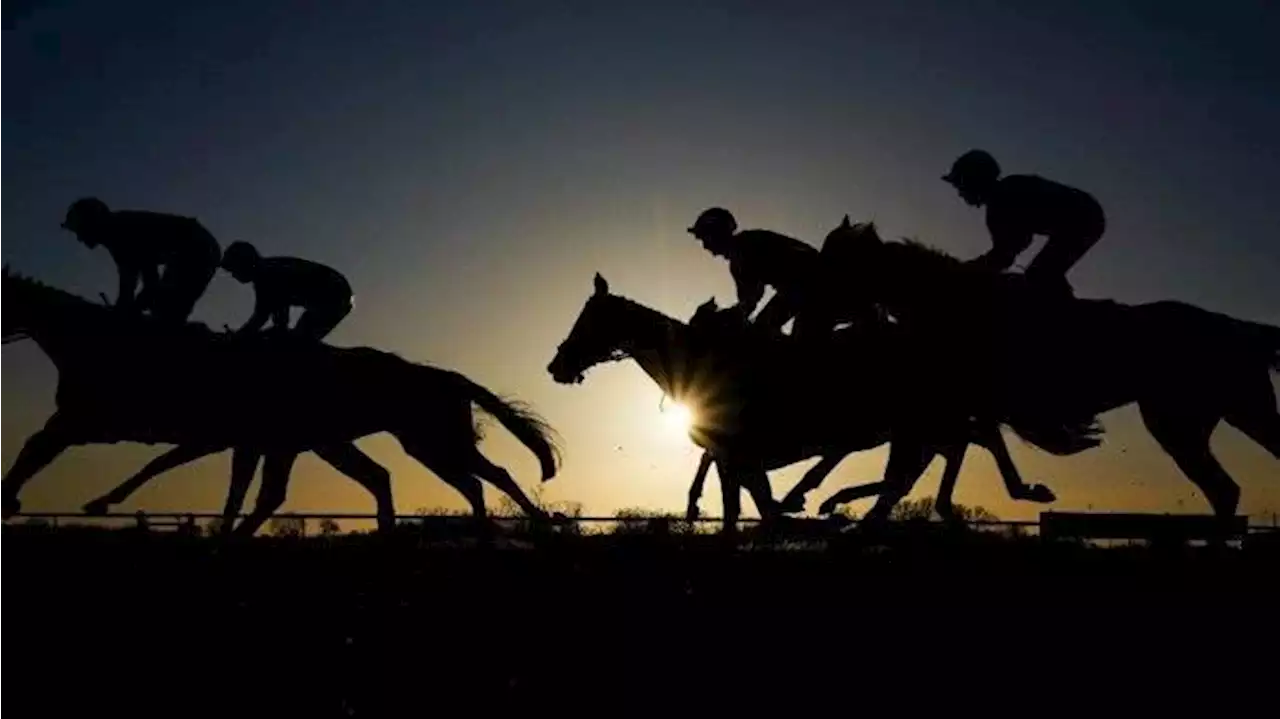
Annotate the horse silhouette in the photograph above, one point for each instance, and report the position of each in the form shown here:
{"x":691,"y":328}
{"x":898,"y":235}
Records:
{"x":729,"y":325}
{"x":772,"y":411}
{"x":126,"y":377}
{"x":1027,"y":354}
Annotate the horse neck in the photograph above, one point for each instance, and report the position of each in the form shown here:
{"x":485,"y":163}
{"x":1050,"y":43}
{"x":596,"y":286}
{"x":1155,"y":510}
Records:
{"x":929,"y":286}
{"x":69,"y":330}
{"x":658,"y":344}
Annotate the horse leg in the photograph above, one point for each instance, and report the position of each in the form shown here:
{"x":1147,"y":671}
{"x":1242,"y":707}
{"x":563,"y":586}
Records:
{"x":850,"y":494}
{"x":57,"y":435}
{"x":794,"y":500}
{"x":275,"y":487}
{"x":907,"y":461}
{"x":756,"y":481}
{"x":730,"y":495}
{"x":993,"y":441}
{"x":896,"y":455}
{"x":953,"y":455}
{"x":695,"y":489}
{"x":348,"y":459}
{"x":502,"y":479}
{"x":1184,"y":435}
{"x":460,"y":468}
{"x":244,"y":463}
{"x":175,"y":457}
{"x":450,"y":471}
{"x":1257,"y":418}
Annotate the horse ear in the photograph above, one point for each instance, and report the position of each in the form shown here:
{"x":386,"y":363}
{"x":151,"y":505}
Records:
{"x":845,"y":224}
{"x":602,"y":285}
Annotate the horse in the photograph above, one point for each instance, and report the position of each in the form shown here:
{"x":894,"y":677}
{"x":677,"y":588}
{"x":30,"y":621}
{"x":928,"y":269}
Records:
{"x":781,"y":428}
{"x":127,"y":377}
{"x":1186,"y":368}
{"x":709,"y":316}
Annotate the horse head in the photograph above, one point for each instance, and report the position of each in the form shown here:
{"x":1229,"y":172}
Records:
{"x":597,"y":336}
{"x":853,"y":250}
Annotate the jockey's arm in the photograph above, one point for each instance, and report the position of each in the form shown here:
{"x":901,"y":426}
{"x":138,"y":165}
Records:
{"x":1006,"y":245}
{"x":280,"y":318}
{"x":128,"y":281}
{"x":127,"y":271}
{"x":750,"y":291}
{"x":150,"y":281}
{"x":776,"y":313}
{"x":261,"y":313}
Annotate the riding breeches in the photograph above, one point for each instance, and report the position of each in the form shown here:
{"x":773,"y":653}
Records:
{"x":184,"y":279}
{"x":1064,"y":249}
{"x":317,"y":321}
{"x":179,"y":289}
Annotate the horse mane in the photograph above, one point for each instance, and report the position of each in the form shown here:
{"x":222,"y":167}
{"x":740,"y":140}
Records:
{"x":27,"y":282}
{"x":640,"y":307}
{"x":56,"y":296}
{"x":926,"y":252}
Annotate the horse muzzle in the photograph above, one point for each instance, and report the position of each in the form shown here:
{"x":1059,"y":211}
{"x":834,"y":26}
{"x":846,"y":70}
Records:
{"x":563,"y":376}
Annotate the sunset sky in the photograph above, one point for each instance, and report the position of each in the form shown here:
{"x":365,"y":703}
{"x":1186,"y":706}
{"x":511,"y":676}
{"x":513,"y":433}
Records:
{"x":470,"y":165}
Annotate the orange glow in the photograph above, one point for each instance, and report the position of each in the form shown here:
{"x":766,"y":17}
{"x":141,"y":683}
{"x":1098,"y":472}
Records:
{"x":677,"y":417}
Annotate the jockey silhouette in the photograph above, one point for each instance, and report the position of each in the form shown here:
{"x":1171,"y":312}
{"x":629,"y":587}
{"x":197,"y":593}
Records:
{"x":281,"y":283}
{"x":760,"y":258}
{"x":1022,"y":206}
{"x":142,"y":242}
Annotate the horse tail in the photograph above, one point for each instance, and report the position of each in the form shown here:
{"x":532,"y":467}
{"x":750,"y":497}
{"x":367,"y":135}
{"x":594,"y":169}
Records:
{"x":522,"y":421}
{"x":1063,"y":439}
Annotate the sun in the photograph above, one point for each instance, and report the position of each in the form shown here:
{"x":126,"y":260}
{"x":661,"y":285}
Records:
{"x":677,"y":417}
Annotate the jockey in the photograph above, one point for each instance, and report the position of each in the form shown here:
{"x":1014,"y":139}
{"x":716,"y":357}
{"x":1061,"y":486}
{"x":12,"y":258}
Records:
{"x":140,"y":243}
{"x":281,"y":283}
{"x":1021,"y":206}
{"x":760,"y":258}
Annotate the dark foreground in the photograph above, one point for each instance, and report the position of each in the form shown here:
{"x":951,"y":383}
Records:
{"x":127,"y":623}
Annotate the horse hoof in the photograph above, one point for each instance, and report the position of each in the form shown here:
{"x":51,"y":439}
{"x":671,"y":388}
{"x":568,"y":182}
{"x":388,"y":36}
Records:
{"x":97,"y":508}
{"x":1042,"y":494}
{"x":792,"y":505}
{"x":839,"y":520}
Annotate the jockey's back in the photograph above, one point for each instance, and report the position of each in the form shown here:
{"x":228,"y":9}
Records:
{"x":1032,"y":204}
{"x":772,"y":258}
{"x":140,"y":238}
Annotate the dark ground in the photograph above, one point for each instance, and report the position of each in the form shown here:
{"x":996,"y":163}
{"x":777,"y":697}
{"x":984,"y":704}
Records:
{"x":123,"y":623}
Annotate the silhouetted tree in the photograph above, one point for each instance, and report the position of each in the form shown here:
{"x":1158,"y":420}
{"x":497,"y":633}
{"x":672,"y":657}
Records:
{"x":922,"y":510}
{"x":633,"y":520}
{"x":329,"y":527}
{"x":288,"y":526}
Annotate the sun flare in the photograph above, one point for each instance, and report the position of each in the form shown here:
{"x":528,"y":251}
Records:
{"x":677,"y":417}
